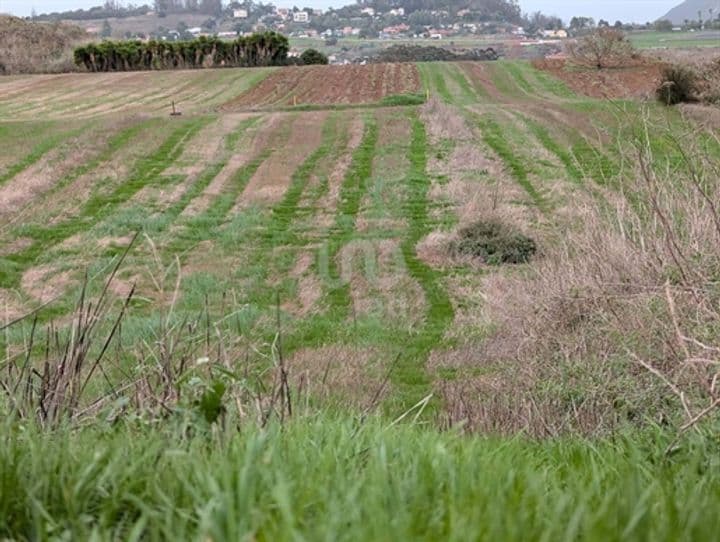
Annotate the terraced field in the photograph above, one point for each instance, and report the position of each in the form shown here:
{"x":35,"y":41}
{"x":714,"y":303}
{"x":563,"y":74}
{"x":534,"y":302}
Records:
{"x":330,"y":227}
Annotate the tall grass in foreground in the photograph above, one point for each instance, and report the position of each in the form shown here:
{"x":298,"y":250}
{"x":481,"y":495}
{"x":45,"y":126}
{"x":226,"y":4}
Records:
{"x":334,"y":478}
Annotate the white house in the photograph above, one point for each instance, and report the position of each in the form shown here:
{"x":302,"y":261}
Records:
{"x":556,"y":34}
{"x":301,"y":17}
{"x":240,"y":14}
{"x":368,"y":11}
{"x":397,"y":12}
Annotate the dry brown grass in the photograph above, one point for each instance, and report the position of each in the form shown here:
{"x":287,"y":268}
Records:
{"x":617,"y":322}
{"x":352,"y":377}
{"x":27,"y":47}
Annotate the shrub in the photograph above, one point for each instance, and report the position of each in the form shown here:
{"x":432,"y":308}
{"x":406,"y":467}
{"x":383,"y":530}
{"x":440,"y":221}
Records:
{"x":603,"y":48}
{"x":313,"y":56}
{"x":495,"y":243}
{"x":403,"y":99}
{"x":679,"y":84}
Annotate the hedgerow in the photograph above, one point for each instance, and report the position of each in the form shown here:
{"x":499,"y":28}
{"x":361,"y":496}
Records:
{"x":262,"y":49}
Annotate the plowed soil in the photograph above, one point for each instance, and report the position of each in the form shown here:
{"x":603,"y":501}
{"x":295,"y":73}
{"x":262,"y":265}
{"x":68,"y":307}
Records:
{"x":639,"y":80}
{"x":326,"y":85}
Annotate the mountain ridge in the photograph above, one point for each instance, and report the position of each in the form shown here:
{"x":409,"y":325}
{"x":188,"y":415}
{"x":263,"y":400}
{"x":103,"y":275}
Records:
{"x":688,"y":10}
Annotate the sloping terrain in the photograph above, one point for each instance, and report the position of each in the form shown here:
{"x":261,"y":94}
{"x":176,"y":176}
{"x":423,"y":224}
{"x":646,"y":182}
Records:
{"x":341,"y":219}
{"x":256,"y":321}
{"x":689,"y":9}
{"x":27,"y":47}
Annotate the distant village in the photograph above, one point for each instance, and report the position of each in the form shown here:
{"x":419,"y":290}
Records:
{"x":298,"y":23}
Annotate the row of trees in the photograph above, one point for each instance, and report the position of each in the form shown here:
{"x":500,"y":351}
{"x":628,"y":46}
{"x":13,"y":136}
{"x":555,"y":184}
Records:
{"x":263,"y":49}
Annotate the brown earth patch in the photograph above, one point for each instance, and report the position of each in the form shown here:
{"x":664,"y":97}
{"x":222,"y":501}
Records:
{"x":309,"y":289}
{"x":443,"y":121}
{"x":479,"y":75}
{"x":11,"y":306}
{"x":273,"y":177}
{"x":639,"y":80}
{"x":327,"y":85}
{"x":113,"y":242}
{"x":43,"y":283}
{"x":16,"y":245}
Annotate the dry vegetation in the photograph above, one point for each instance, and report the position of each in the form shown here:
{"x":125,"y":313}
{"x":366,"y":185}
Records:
{"x":616,"y":321}
{"x":27,"y":47}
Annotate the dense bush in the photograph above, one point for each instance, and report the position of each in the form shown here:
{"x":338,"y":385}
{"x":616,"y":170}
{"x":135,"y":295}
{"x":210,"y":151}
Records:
{"x":679,"y":84}
{"x":495,"y":243}
{"x":313,"y":56}
{"x":264,"y":49}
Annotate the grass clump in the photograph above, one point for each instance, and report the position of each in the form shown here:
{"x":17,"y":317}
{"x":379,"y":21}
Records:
{"x":403,"y":99}
{"x":494,"y":243}
{"x":679,"y":85}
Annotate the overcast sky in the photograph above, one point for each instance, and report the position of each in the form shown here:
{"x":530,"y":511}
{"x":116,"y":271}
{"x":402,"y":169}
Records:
{"x":625,"y":10}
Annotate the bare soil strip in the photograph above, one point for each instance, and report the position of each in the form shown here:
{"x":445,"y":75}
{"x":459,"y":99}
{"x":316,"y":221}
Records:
{"x":245,"y":152}
{"x":273,"y":177}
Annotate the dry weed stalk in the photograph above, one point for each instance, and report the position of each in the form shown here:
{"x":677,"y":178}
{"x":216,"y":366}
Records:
{"x":183,"y":364}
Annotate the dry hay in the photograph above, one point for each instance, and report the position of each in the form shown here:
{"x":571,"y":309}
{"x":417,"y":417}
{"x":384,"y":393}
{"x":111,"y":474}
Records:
{"x":340,"y":373}
{"x":379,"y":282}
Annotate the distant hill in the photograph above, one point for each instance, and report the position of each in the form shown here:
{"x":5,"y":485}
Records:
{"x":689,"y":10}
{"x":27,"y":47}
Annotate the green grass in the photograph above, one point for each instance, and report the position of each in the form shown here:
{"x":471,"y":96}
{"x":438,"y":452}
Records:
{"x":331,"y":478}
{"x":100,"y":206}
{"x":410,"y":377}
{"x":433,"y":79}
{"x":352,"y":191}
{"x":646,"y":40}
{"x":493,"y":135}
{"x":40,"y":149}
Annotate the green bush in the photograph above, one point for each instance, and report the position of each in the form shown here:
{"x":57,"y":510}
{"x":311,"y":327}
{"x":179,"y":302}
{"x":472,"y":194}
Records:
{"x":403,"y":99}
{"x":313,"y":56}
{"x":495,"y":243}
{"x":679,"y":85}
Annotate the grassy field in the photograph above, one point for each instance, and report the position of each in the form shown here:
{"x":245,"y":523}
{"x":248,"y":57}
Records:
{"x":675,"y":40}
{"x":256,"y":324}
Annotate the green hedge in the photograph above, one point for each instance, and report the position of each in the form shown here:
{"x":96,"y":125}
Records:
{"x":263,"y":49}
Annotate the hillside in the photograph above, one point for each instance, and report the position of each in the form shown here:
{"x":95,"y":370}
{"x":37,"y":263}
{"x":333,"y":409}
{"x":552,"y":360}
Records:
{"x":27,"y":47}
{"x":688,"y":10}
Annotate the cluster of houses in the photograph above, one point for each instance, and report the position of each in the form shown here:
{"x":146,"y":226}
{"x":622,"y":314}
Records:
{"x":363,"y":22}
{"x":282,"y":18}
